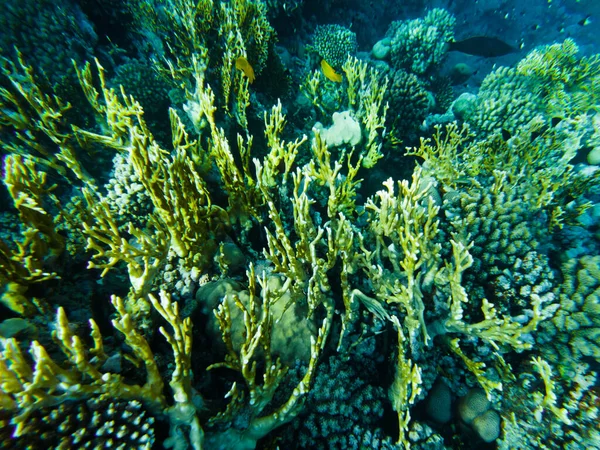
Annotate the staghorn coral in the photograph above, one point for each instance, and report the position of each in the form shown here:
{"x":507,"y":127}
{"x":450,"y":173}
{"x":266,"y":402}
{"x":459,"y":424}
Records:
{"x":206,"y":39}
{"x":364,"y":101}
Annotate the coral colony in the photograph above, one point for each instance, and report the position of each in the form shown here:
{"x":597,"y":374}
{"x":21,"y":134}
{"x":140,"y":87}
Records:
{"x":219,"y":235}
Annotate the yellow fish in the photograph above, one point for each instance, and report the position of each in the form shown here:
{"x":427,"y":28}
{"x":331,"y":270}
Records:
{"x":330,"y":72}
{"x":242,"y":64}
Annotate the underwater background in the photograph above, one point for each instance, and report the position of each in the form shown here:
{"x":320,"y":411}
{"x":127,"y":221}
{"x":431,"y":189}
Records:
{"x":299,"y":224}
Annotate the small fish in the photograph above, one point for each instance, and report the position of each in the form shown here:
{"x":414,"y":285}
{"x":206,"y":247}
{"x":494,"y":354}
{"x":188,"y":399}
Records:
{"x":585,"y":21}
{"x":242,"y":64}
{"x":330,"y":72}
{"x":488,"y":47}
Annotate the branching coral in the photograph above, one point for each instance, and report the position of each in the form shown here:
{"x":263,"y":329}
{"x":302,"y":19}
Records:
{"x":30,"y":386}
{"x":218,"y":33}
{"x":337,"y":270}
{"x":551,"y":81}
{"x":419,"y":45}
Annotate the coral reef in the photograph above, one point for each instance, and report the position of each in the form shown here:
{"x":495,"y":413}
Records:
{"x":187,"y":263}
{"x":552,"y":81}
{"x":342,"y":410}
{"x":574,"y":330}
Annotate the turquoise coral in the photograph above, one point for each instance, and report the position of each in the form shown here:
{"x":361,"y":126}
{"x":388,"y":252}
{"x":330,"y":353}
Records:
{"x":334,"y":43}
{"x":420,"y":45}
{"x":455,"y":272}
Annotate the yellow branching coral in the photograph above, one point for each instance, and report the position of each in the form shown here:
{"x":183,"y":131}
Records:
{"x":28,"y":386}
{"x":37,"y":120}
{"x":477,"y":368}
{"x":366,"y":95}
{"x":258,"y":323}
{"x":492,"y":329}
{"x":144,"y":258}
{"x":171,"y":181}
{"x":280,"y":152}
{"x":406,"y":386}
{"x":405,"y":226}
{"x":23,"y":262}
{"x":444,"y":155}
{"x":342,"y":188}
{"x":312,"y":89}
{"x":219,"y":33}
{"x":533,"y":165}
{"x":549,"y":399}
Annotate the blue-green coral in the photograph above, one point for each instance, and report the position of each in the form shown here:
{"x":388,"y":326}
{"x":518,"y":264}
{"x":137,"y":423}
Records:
{"x":334,"y":43}
{"x":420,"y":45}
{"x":551,"y":81}
{"x":465,"y":288}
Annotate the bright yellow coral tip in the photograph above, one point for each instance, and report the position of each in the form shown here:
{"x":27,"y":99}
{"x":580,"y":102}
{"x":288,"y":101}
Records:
{"x":329,"y":72}
{"x":242,"y":64}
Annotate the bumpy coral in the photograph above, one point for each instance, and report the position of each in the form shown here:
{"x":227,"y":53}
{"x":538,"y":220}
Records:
{"x":408,"y":105}
{"x":93,"y":423}
{"x":126,"y":196}
{"x":419,"y":45}
{"x":558,"y":412}
{"x":342,"y":409}
{"x":500,"y":226}
{"x":334,"y":44}
{"x":48,"y":34}
{"x":145,"y":85}
{"x":574,"y":331}
{"x":530,"y":274}
{"x":506,"y":100}
{"x":551,"y":81}
{"x":507,"y":269}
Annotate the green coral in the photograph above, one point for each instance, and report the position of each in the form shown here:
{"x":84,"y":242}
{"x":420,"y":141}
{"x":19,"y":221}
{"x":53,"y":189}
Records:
{"x":506,"y":100}
{"x":408,"y":105}
{"x":500,"y":225}
{"x":420,"y":45}
{"x":551,"y":81}
{"x":573,"y":334}
{"x":334,"y":43}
